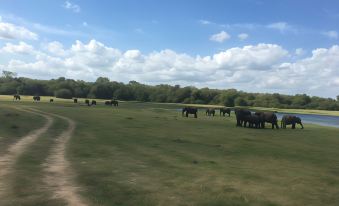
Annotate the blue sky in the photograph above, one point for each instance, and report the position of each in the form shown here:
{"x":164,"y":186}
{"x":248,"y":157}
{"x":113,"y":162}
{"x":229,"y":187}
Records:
{"x":177,"y":42}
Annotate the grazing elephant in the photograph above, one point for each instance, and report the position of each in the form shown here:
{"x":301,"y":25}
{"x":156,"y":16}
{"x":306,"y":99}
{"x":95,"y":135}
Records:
{"x":210,"y":112}
{"x":75,"y":100}
{"x":254,"y":121}
{"x":225,"y":111}
{"x":36,"y":98}
{"x":240,"y":115}
{"x":290,"y":119}
{"x":115,"y":103}
{"x":190,"y":110}
{"x":51,"y":100}
{"x":94,"y":102}
{"x":108,"y":103}
{"x":16,"y":97}
{"x":268,"y":117}
{"x":87,"y":102}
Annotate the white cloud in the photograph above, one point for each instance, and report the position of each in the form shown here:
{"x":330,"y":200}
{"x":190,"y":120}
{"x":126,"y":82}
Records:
{"x":281,"y":26}
{"x":56,"y":48}
{"x":205,"y":22}
{"x":11,"y":31}
{"x":84,"y":24}
{"x":21,"y":48}
{"x":299,"y":51}
{"x":258,"y":57}
{"x":331,"y":34}
{"x":71,"y":6}
{"x":243,"y":36}
{"x":220,"y":37}
{"x":259,"y":68}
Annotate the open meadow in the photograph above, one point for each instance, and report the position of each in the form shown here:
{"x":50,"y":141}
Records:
{"x":148,"y":154}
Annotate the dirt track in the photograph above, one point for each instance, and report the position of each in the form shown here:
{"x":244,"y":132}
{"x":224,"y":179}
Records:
{"x":57,"y":173}
{"x":59,"y":176}
{"x":15,"y":150}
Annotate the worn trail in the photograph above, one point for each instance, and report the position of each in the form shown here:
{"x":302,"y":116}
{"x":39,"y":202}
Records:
{"x":8,"y":160}
{"x":58,"y":174}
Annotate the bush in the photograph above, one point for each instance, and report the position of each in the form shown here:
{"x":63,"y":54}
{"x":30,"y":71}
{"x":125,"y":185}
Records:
{"x":63,"y":93}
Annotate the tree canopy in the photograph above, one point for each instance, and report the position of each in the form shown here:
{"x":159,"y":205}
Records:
{"x":103,"y":88}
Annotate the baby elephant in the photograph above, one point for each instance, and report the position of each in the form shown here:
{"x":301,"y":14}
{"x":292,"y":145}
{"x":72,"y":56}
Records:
{"x":290,"y":119}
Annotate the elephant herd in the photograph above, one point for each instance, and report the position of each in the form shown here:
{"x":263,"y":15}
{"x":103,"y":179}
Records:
{"x":37,"y":98}
{"x":246,"y":118}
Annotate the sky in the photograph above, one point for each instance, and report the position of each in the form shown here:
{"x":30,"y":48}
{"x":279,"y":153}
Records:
{"x":286,"y":46}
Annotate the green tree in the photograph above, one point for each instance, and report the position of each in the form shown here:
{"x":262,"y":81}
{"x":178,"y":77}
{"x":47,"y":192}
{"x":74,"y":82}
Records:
{"x":8,"y":74}
{"x":239,"y":101}
{"x":64,"y":93}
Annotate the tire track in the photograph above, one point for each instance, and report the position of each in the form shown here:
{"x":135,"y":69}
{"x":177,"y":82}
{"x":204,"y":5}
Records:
{"x":8,"y":160}
{"x":59,"y":176}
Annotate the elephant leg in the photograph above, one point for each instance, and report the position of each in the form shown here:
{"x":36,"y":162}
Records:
{"x":195,"y":115}
{"x":186,"y":114}
{"x":302,"y":126}
{"x":293,"y":126}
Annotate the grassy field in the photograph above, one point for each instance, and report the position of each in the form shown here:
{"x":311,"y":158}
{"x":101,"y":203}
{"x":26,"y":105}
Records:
{"x":147,"y":154}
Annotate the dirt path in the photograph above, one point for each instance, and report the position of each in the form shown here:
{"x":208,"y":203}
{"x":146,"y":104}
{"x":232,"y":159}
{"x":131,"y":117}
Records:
{"x":59,"y":176}
{"x":15,"y":150}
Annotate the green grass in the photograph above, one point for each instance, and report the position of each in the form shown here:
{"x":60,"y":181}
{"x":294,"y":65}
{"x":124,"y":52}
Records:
{"x":15,"y":124}
{"x":27,"y":187}
{"x":147,"y":154}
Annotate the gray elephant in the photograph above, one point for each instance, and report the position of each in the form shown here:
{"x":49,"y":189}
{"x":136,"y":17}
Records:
{"x":210,"y":112}
{"x":16,"y":97}
{"x":268,"y":117}
{"x":240,"y":115}
{"x":290,"y":119}
{"x":254,"y":121}
{"x":224,"y":111}
{"x":190,"y":110}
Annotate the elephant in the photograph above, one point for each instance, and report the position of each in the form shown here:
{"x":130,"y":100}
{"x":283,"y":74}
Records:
{"x":290,"y":119}
{"x":115,"y":103}
{"x":268,"y":117}
{"x":36,"y":98}
{"x":225,"y":111}
{"x":254,"y":121}
{"x":210,"y":112}
{"x":16,"y":97}
{"x":94,"y":102}
{"x":112,"y":102}
{"x":87,"y":102}
{"x":51,"y":100}
{"x":240,"y":115}
{"x":190,"y":110}
{"x":75,"y":100}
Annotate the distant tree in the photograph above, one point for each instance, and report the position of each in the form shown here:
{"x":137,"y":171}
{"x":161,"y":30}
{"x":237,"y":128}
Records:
{"x":8,"y":74}
{"x":239,"y":101}
{"x":102,"y":80}
{"x":106,"y":89}
{"x":63,"y":93}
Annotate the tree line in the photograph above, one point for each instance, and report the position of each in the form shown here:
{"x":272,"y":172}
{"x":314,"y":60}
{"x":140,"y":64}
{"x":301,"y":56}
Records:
{"x":103,"y":88}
